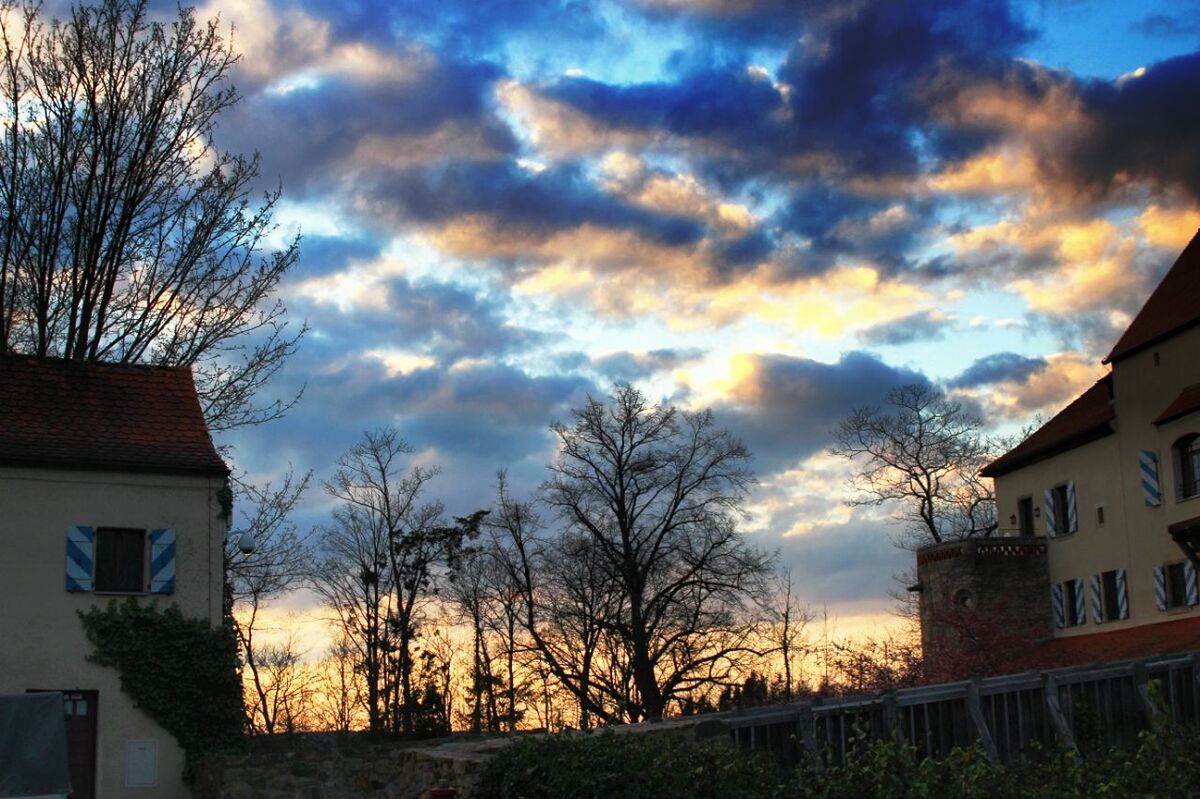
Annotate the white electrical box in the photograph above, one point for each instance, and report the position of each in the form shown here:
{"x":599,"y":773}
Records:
{"x":141,"y":764}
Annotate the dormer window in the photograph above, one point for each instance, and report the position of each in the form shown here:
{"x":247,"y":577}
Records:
{"x":1187,"y":465}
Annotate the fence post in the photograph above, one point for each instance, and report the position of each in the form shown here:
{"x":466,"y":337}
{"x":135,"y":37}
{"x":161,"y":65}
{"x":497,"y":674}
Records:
{"x":806,"y":729}
{"x":1141,"y":683}
{"x":891,"y":717}
{"x":1195,"y":663}
{"x":1062,"y":730}
{"x":975,"y":709}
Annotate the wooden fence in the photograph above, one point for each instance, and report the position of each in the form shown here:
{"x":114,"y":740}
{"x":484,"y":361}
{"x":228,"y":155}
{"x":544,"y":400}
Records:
{"x":1075,"y":707}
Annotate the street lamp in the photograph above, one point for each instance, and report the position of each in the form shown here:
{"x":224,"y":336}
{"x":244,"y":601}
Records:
{"x":245,"y":541}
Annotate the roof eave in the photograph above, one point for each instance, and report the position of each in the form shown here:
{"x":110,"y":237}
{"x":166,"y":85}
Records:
{"x":1129,"y":352}
{"x":1095,"y":433}
{"x":211,"y":470}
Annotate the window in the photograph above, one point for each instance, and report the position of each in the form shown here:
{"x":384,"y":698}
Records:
{"x":1110,"y":596}
{"x":1187,"y":466}
{"x":1068,"y":600}
{"x":1099,"y":515}
{"x":1025,"y":516}
{"x":1111,"y":593}
{"x":1071,"y":603}
{"x":1061,"y":517}
{"x":1176,"y":593}
{"x":120,"y":560}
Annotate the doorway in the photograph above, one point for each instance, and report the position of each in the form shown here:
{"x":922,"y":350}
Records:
{"x":79,"y":711}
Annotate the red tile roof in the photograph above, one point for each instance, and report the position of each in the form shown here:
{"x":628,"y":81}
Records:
{"x":1187,"y":401}
{"x":1174,"y":306}
{"x":1086,"y":419}
{"x":1163,"y":638}
{"x":108,"y":416}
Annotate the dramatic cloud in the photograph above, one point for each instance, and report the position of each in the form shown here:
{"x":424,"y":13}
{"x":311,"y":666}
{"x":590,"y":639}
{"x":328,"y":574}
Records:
{"x":998,"y":367}
{"x":330,"y":134}
{"x":506,"y":206}
{"x":366,"y":308}
{"x":535,"y":204}
{"x":630,"y":367}
{"x":1142,"y":128}
{"x":843,"y":563}
{"x":920,"y":326}
{"x":784,"y":408}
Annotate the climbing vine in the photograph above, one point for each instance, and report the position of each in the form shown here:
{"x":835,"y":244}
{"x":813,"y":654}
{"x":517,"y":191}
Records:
{"x":181,"y":672}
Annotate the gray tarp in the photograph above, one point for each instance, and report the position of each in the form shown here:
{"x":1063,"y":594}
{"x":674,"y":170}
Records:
{"x":33,"y":746}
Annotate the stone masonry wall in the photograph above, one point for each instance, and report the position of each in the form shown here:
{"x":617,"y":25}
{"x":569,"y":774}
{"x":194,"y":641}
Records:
{"x":372,"y":771}
{"x":319,"y":768}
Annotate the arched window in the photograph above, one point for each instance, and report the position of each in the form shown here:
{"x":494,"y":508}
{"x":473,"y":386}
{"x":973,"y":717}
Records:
{"x":1187,"y":465}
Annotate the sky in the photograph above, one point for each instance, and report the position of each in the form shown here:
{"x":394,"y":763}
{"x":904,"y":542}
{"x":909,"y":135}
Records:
{"x":777,"y":209}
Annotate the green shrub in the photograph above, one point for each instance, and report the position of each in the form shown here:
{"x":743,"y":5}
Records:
{"x":609,"y":766}
{"x":1165,"y":764}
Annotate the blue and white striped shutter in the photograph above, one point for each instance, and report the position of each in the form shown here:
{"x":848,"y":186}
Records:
{"x":1060,"y":616}
{"x":1122,"y":596}
{"x":1151,"y":491}
{"x":1050,"y":531}
{"x":1189,"y":583}
{"x":1160,"y":587}
{"x":80,"y":554}
{"x":162,"y":561}
{"x":1080,"y":603}
{"x":1097,"y":600}
{"x":1072,"y":515}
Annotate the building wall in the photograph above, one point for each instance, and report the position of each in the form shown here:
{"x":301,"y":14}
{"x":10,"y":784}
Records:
{"x":1143,"y":390}
{"x":1106,"y":474}
{"x":44,"y":644}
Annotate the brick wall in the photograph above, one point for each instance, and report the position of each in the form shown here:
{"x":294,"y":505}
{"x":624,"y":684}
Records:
{"x":991,"y":580}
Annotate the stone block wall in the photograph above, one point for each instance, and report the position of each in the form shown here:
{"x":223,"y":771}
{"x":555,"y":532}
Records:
{"x":364,"y":771}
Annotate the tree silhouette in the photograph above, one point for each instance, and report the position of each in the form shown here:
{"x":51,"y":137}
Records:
{"x":125,"y":233}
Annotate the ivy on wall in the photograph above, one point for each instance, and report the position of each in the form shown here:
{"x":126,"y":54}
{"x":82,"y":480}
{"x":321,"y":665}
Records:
{"x":181,"y":672}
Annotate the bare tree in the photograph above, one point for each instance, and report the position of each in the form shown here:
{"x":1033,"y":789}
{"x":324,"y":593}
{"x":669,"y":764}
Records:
{"x":281,"y":559}
{"x":788,"y":622}
{"x":381,"y":556}
{"x":486,"y":595}
{"x":284,"y":688}
{"x":567,"y":605}
{"x":125,"y":233}
{"x":338,"y":701}
{"x":279,"y":563}
{"x":471,"y":597}
{"x":923,"y":452}
{"x":655,"y":494}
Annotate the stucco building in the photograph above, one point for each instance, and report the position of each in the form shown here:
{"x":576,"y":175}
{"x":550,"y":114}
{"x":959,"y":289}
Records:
{"x":1109,"y":491}
{"x":111,"y":487}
